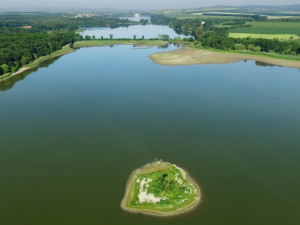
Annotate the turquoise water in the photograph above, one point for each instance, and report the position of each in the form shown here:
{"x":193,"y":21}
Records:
{"x":72,"y":132}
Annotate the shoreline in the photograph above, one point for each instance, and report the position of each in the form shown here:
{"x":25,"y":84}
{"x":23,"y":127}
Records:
{"x":81,"y":44}
{"x":94,"y":43}
{"x":65,"y":50}
{"x":179,"y":57}
{"x":192,"y":56}
{"x":180,"y":211}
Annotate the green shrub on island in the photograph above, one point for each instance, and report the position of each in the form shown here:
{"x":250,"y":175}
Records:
{"x":162,"y":189}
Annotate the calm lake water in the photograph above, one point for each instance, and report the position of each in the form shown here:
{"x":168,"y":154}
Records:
{"x":72,"y":132}
{"x":149,"y":31}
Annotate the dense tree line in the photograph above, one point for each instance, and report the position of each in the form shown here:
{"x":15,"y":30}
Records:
{"x":209,"y":35}
{"x":48,"y":33}
{"x":255,"y":16}
{"x":20,"y":47}
{"x":46,"y":22}
{"x":191,"y":26}
{"x":222,"y":41}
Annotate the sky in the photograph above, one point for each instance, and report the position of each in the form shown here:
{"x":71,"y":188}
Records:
{"x":138,"y":4}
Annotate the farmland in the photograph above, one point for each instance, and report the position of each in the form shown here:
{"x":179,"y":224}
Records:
{"x":266,"y":36}
{"x":270,"y":27}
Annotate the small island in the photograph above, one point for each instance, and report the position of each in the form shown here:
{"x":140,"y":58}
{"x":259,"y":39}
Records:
{"x":160,"y":189}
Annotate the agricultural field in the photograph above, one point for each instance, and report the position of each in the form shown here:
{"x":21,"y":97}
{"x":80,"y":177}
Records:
{"x":270,"y":27}
{"x":283,"y":37}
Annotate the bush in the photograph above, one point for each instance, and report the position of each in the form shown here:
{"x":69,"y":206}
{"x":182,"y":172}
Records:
{"x":239,"y":47}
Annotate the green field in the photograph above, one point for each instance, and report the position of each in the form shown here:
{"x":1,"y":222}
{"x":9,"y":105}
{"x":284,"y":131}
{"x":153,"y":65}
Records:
{"x":266,"y":36}
{"x":269,"y":28}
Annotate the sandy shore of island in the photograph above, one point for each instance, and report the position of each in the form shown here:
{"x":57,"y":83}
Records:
{"x":148,"y":168}
{"x":190,"y":56}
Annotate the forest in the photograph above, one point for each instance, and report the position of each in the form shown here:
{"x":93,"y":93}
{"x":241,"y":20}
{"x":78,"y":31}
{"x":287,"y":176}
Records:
{"x":25,"y":37}
{"x":209,"y":35}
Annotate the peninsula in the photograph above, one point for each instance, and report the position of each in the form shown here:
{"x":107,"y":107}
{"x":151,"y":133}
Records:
{"x":160,"y":189}
{"x":192,"y":56}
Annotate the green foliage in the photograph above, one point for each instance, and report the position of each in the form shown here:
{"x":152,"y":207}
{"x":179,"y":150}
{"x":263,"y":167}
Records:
{"x":164,"y":37}
{"x":48,"y":33}
{"x":87,"y":37}
{"x":212,"y":36}
{"x":20,"y":47}
{"x":5,"y":68}
{"x":144,"y":21}
{"x":239,"y":47}
{"x":169,"y":185}
{"x":270,"y":27}
{"x":265,"y":36}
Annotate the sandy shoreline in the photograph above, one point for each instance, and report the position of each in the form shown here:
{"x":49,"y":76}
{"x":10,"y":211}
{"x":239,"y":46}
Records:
{"x":190,"y":56}
{"x":129,"y":191}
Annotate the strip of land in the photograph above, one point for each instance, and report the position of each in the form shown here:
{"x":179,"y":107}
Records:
{"x":191,"y":56}
{"x":92,"y":43}
{"x":80,"y":44}
{"x":65,"y":50}
{"x":184,"y":56}
{"x":265,"y":36}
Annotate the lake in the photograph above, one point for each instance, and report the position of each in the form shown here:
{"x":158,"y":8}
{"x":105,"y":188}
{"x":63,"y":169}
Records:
{"x":73,"y":130}
{"x":148,"y":31}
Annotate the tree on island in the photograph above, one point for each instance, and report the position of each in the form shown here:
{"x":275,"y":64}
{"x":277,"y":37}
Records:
{"x":164,"y":37}
{"x":134,"y":37}
{"x":87,"y":37}
{"x":111,"y":36}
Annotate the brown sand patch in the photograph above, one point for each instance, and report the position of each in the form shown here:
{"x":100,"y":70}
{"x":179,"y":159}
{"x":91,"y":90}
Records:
{"x":189,"y":56}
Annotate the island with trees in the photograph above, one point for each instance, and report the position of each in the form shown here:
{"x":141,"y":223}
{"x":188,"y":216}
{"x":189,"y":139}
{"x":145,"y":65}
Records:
{"x":160,"y":189}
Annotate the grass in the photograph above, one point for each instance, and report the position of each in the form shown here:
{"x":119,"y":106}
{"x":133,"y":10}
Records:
{"x":166,"y":181}
{"x":263,"y":54}
{"x":265,"y":36}
{"x":271,"y":27}
{"x":90,"y":43}
{"x":65,"y":49}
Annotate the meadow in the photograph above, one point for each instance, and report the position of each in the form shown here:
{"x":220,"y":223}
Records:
{"x":271,"y":27}
{"x":265,"y":36}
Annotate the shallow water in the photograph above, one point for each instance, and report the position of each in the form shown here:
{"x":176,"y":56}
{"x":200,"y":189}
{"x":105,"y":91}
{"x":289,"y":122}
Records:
{"x":72,"y":133}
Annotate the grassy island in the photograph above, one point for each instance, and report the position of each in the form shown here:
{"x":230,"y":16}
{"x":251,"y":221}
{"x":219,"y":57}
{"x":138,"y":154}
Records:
{"x":160,"y":189}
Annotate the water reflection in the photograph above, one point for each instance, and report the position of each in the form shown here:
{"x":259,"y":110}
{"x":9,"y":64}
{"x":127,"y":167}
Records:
{"x":8,"y":84}
{"x":259,"y":63}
